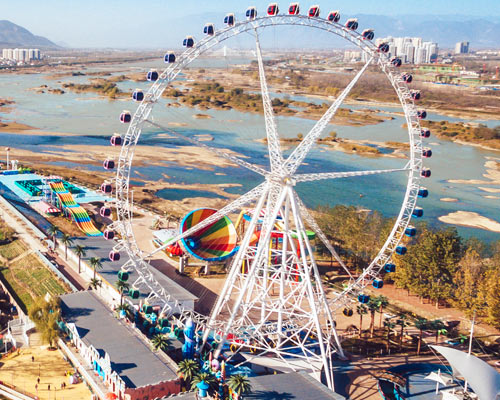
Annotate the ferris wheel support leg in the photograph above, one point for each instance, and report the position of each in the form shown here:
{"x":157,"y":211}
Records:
{"x":235,"y":267}
{"x":266,"y":233}
{"x":284,"y":266}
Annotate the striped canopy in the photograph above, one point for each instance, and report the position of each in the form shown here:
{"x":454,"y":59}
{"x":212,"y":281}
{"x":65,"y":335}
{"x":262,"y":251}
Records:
{"x":215,"y":242}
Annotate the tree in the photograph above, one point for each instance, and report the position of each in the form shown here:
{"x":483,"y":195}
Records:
{"x":187,"y":369}
{"x":159,"y":342}
{"x":121,"y":286}
{"x":128,"y":310}
{"x":96,"y":264}
{"x":204,"y":377}
{"x":491,"y":288}
{"x":438,"y":327}
{"x":421,"y":324}
{"x":95,"y":283}
{"x":239,"y":384}
{"x":373,"y":307}
{"x":402,"y":321}
{"x":383,"y":302}
{"x":45,"y":315}
{"x":66,"y":241}
{"x":389,"y":325}
{"x":361,"y":310}
{"x":53,"y":230}
{"x":80,"y":252}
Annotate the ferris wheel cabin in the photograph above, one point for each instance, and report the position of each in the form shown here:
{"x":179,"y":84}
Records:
{"x":251,"y":13}
{"x":422,"y":114}
{"x":348,"y":312}
{"x":294,"y":9}
{"x":138,"y":95}
{"x":415,"y":95}
{"x":368,"y":34}
{"x":425,"y":133}
{"x":105,"y":211}
{"x":334,"y":16}
{"x":383,"y":47}
{"x":423,"y":193}
{"x":108,"y":164}
{"x":396,"y":61}
{"x":125,"y":117}
{"x":313,"y":12}
{"x":401,"y":250}
{"x":418,"y":212}
{"x":407,"y":78}
{"x":229,"y":19}
{"x":209,"y":29}
{"x":427,"y":153}
{"x":109,"y":234}
{"x":425,"y":173}
{"x":114,"y":256}
{"x":115,"y":140}
{"x":363,"y":298}
{"x":152,"y":75}
{"x":378,"y":283}
{"x":169,"y":57}
{"x":106,"y":188}
{"x":389,"y":267}
{"x":410,"y":231}
{"x":352,"y":24}
{"x":188,"y":42}
{"x":272,"y":9}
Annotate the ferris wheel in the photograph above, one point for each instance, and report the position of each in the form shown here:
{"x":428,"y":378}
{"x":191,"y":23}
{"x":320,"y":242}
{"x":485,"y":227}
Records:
{"x":273,"y":303}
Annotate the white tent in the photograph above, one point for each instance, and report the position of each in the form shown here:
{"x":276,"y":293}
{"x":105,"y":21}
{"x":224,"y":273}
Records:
{"x":440,"y":379}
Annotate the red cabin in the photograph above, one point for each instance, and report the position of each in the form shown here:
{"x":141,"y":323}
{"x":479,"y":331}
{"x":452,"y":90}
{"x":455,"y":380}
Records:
{"x":114,"y":256}
{"x":334,"y":16}
{"x":415,"y":95}
{"x":352,"y":24}
{"x":106,"y":188}
{"x":105,"y":211}
{"x":125,"y":117}
{"x":294,"y":9}
{"x":108,"y":164}
{"x":427,"y":153}
{"x":251,"y":13}
{"x":229,"y":19}
{"x":272,"y":9}
{"x":368,"y":34}
{"x":422,"y":114}
{"x":116,"y":140}
{"x":425,"y":173}
{"x":425,"y":133}
{"x":109,"y":234}
{"x":407,"y":78}
{"x":313,"y":12}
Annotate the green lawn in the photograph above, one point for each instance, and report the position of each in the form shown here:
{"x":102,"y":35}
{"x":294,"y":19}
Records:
{"x":12,"y":250}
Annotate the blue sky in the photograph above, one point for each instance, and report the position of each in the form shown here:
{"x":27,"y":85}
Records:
{"x":134,"y":23}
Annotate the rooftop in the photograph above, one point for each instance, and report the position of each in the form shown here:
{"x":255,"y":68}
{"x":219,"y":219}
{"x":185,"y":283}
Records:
{"x":130,"y":357}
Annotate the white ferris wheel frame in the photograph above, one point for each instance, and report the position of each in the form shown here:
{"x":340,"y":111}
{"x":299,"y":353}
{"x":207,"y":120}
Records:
{"x":123,"y":225}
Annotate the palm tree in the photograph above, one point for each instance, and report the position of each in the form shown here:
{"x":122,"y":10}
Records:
{"x":80,"y":252}
{"x":45,"y":315}
{"x":95,"y":283}
{"x":128,"y":310}
{"x":438,"y":327}
{"x":159,"y":342}
{"x":389,"y":325}
{"x":204,"y":377}
{"x":95,"y":263}
{"x":187,"y":369}
{"x":421,"y":324}
{"x":373,"y":307}
{"x":383,"y":302}
{"x":361,"y":310}
{"x":402,"y":321}
{"x":66,"y":241}
{"x":121,"y":286}
{"x":53,"y":231}
{"x":239,"y":384}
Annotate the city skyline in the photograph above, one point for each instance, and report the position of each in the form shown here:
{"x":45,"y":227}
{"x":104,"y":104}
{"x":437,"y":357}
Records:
{"x":98,"y":24}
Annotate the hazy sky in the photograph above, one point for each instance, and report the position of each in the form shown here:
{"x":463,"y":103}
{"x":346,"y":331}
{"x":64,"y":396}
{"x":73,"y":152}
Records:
{"x":138,"y":23}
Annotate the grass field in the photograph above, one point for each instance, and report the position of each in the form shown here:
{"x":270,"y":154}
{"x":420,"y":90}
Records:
{"x":12,"y":250}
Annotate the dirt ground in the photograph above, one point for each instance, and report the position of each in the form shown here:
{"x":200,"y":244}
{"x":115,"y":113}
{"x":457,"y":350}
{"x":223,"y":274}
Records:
{"x":22,"y":372}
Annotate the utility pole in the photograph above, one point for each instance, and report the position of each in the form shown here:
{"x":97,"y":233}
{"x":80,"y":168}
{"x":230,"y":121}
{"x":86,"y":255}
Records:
{"x":7,"y":166}
{"x":470,"y":341}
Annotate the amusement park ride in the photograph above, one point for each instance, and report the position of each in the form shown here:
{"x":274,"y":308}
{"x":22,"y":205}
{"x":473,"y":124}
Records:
{"x":273,"y":308}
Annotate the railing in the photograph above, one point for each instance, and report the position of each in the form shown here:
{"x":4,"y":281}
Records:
{"x":14,"y":394}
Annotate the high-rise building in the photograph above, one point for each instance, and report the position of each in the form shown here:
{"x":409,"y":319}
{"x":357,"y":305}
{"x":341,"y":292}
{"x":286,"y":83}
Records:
{"x":420,"y":55}
{"x":21,"y":55}
{"x":410,"y":53}
{"x":462,"y":48}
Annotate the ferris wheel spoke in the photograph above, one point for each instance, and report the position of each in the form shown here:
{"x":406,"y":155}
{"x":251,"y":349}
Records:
{"x":348,"y":174}
{"x":273,"y":142}
{"x":301,"y":151}
{"x":306,"y":215}
{"x":219,"y":152}
{"x":228,"y":209}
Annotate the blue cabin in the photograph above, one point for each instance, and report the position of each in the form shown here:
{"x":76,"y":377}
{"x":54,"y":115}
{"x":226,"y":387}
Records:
{"x":229,"y":19}
{"x":427,"y":153}
{"x":415,"y":95}
{"x":378,"y":283}
{"x":401,"y":250}
{"x":407,"y":78}
{"x":109,"y":234}
{"x":209,"y":29}
{"x":423,"y":192}
{"x":422,"y":114}
{"x":272,"y":9}
{"x":313,"y":11}
{"x":134,"y":293}
{"x":352,"y":24}
{"x":188,"y":42}
{"x":251,"y":13}
{"x":389,"y":267}
{"x":125,"y":117}
{"x":114,"y":256}
{"x":418,"y":212}
{"x":105,"y":211}
{"x":138,"y":95}
{"x":396,"y":61}
{"x":368,"y":34}
{"x":294,"y":9}
{"x":425,"y":133}
{"x":363,"y":298}
{"x":169,"y":58}
{"x":108,"y":164}
{"x":123,"y":275}
{"x":410,"y":231}
{"x":152,"y":76}
{"x":334,"y":16}
{"x":115,"y":140}
{"x":425,"y":173}
{"x":348,"y":312}
{"x":383,"y":47}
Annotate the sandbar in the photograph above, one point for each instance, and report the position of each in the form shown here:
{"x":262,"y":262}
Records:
{"x":471,"y":220}
{"x":448,"y":199}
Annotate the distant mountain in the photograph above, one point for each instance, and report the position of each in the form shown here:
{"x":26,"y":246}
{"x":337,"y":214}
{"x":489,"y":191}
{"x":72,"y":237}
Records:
{"x":12,"y":35}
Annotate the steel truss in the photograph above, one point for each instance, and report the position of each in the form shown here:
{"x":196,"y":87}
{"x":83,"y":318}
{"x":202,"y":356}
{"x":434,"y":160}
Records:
{"x":277,"y":306}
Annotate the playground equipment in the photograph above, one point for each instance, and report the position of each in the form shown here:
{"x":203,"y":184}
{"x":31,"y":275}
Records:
{"x":73,"y":209}
{"x":276,"y":305}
